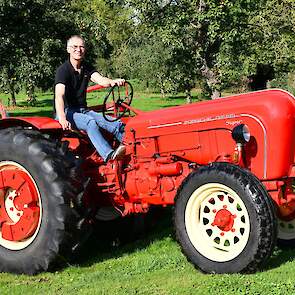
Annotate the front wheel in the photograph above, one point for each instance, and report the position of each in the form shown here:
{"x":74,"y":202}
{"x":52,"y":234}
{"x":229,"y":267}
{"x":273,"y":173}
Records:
{"x":224,"y":220}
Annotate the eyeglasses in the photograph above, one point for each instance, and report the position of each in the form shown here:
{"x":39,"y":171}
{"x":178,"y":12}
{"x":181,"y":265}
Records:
{"x":75,"y":47}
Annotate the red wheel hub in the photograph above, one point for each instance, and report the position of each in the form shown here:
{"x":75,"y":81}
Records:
{"x":19,"y":207}
{"x":224,"y":220}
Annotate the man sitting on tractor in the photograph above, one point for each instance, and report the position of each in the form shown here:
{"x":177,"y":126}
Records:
{"x":71,"y":82}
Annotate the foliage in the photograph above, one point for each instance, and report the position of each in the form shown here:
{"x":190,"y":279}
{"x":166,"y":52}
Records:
{"x":285,"y":81}
{"x":109,"y":28}
{"x":9,"y":82}
{"x":222,"y":41}
{"x":273,"y":35}
{"x":30,"y":40}
{"x":169,"y":44}
{"x":192,"y":32}
{"x":147,"y":62}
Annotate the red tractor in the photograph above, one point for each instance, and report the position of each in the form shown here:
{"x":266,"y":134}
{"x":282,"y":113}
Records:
{"x":226,"y":165}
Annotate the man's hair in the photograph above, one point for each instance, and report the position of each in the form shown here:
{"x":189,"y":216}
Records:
{"x":74,"y":37}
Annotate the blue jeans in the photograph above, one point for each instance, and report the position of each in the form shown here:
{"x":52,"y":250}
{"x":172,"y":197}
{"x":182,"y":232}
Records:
{"x":91,"y":122}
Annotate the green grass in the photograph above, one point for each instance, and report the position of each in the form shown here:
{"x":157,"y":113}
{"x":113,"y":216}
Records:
{"x":152,"y":264}
{"x":44,"y":103}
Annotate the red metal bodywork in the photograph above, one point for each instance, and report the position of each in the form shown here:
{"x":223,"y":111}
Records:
{"x":164,"y":146}
{"x":201,"y":132}
{"x":40,"y":123}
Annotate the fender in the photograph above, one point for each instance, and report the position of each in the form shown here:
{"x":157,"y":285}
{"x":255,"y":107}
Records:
{"x":39,"y":123}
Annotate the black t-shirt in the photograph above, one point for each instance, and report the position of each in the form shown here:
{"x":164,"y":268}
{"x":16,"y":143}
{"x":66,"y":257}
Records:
{"x":75,"y":83}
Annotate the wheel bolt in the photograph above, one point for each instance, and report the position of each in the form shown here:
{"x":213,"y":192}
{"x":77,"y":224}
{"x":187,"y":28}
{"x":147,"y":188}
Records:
{"x":214,"y":210}
{"x":224,"y":206}
{"x":11,"y":209}
{"x":11,"y":198}
{"x":233,"y":230}
{"x":222,"y":234}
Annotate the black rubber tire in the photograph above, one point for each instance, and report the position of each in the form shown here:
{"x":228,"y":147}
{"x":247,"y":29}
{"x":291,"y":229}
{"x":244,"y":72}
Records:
{"x":259,"y":207}
{"x":58,"y":179}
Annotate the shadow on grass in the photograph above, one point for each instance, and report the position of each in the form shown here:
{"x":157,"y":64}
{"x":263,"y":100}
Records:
{"x":39,"y":113}
{"x":280,"y":256}
{"x":183,"y":97}
{"x":43,"y":108}
{"x":114,"y":239}
{"x":171,"y":105}
{"x":45,"y":102}
{"x":119,"y":238}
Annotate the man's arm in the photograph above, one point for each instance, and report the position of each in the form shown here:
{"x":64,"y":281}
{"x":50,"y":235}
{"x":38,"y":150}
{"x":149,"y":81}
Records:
{"x":60,"y":106}
{"x":104,"y":81}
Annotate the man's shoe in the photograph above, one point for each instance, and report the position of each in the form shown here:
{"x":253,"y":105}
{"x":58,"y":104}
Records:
{"x":119,"y":153}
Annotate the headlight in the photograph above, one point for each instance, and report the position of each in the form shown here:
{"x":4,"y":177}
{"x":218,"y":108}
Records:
{"x":241,"y":133}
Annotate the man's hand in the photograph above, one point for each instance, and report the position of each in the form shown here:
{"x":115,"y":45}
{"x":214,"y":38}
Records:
{"x":66,"y":125}
{"x":119,"y":82}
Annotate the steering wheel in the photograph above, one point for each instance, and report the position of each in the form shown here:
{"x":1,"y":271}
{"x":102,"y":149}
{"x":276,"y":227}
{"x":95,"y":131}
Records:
{"x":115,"y":102}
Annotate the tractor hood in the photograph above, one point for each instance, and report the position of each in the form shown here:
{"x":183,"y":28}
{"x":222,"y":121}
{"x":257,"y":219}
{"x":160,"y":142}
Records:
{"x":266,"y":105}
{"x":202,"y":132}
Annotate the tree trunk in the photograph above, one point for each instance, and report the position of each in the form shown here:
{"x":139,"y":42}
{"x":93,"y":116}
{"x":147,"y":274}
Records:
{"x":215,"y":94}
{"x":12,"y":93}
{"x":188,"y":96}
{"x":162,"y":89}
{"x":31,"y":95}
{"x":212,"y":80}
{"x":162,"y":92}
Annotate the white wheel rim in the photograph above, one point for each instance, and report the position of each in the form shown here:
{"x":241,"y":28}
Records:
{"x":286,"y":229}
{"x":200,"y":214}
{"x":18,"y":245}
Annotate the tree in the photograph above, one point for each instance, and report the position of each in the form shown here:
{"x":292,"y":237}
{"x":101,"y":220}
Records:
{"x":225,"y":40}
{"x":135,"y":49}
{"x":30,"y":34}
{"x":8,"y":50}
{"x":146,"y":60}
{"x":200,"y":33}
{"x":9,"y":82}
{"x":109,"y":28}
{"x":272,"y":41}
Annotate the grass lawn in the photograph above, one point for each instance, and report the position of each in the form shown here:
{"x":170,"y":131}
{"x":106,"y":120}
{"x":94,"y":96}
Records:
{"x":150,"y":264}
{"x":43,"y":107}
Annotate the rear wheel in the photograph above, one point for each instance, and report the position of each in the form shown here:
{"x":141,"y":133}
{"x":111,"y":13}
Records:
{"x":38,"y":184}
{"x":224,"y":220}
{"x":20,"y":206}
